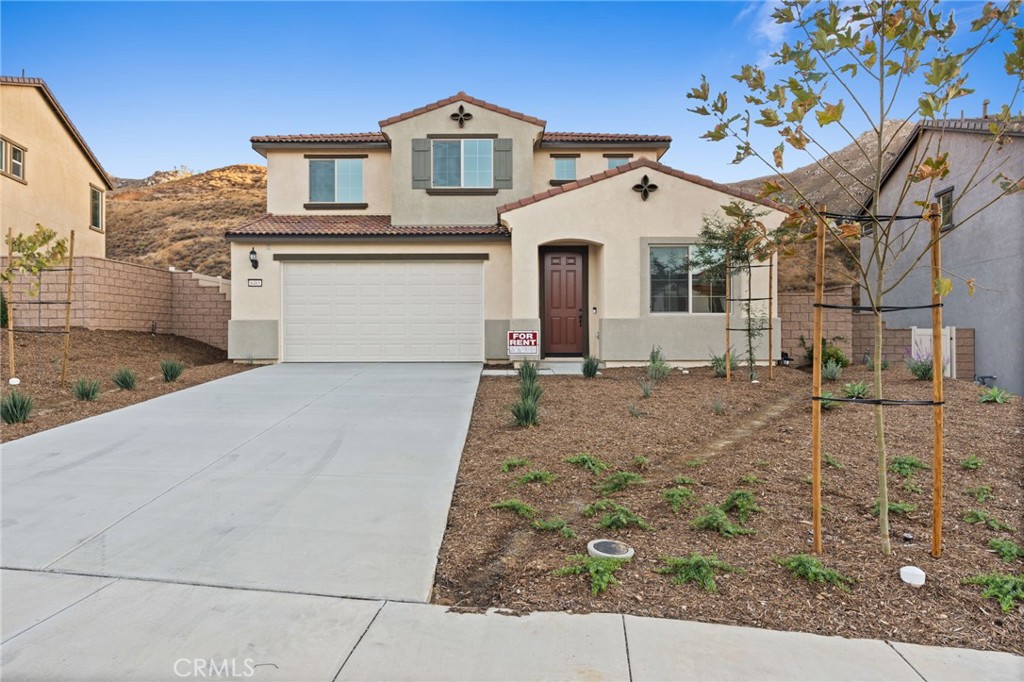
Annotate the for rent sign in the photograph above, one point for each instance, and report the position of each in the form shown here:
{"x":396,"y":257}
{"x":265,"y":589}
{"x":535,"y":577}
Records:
{"x":524,"y":343}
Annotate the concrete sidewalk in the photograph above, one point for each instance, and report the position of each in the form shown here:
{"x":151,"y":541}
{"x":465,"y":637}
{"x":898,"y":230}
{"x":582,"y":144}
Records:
{"x":66,"y":627}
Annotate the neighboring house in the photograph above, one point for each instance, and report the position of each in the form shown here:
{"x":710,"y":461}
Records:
{"x":48,"y":174}
{"x":461,"y":221}
{"x":986,"y":246}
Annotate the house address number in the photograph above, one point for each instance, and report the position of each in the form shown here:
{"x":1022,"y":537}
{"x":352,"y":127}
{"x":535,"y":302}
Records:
{"x":255,"y":282}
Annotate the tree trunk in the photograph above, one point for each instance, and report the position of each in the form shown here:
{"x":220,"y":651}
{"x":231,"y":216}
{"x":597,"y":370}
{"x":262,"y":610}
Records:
{"x":883,"y":482}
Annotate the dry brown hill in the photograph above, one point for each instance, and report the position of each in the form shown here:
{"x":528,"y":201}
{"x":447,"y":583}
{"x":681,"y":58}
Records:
{"x":797,"y":273}
{"x":175,"y":219}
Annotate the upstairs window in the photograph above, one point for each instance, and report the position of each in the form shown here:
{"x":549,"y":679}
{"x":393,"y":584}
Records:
{"x":95,"y":208}
{"x":565,"y":169}
{"x":676,"y":288}
{"x":336,"y":181}
{"x":3,"y":156}
{"x":462,"y":163}
{"x":12,"y":159}
{"x":616,"y":161}
{"x":945,"y":200}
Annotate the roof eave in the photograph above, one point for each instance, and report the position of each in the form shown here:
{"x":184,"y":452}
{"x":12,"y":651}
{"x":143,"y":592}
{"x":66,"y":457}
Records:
{"x":350,"y":238}
{"x":605,"y":144}
{"x":262,"y":147}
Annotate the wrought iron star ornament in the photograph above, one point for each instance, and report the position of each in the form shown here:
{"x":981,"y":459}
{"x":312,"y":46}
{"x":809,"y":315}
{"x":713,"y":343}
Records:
{"x":645,"y":187}
{"x":461,"y":116}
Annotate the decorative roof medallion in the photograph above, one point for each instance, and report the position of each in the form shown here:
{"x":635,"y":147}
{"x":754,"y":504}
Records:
{"x":461,"y":116}
{"x":645,"y":187}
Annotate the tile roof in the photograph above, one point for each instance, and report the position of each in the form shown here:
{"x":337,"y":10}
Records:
{"x":272,"y":225}
{"x":1015,"y":126}
{"x":603,"y":137}
{"x":642,"y":162}
{"x":336,"y":138}
{"x":462,"y":97}
{"x":63,"y":116}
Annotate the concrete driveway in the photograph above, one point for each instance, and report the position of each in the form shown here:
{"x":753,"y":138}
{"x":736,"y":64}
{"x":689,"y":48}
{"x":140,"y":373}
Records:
{"x":322,"y":479}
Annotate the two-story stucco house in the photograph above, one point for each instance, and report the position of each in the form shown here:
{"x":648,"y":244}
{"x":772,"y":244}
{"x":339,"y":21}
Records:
{"x":987,"y":245}
{"x":460,"y":221}
{"x":48,"y":174}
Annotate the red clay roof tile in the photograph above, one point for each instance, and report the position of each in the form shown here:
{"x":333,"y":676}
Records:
{"x":598,"y":138}
{"x":272,"y":225}
{"x":461,"y":97}
{"x":334,"y":138}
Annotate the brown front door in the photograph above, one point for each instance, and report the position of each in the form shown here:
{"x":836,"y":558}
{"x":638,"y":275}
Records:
{"x":564,"y":301}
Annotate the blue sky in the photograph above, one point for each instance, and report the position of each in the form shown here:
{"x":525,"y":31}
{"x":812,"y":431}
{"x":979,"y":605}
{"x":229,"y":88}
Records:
{"x":157,"y":85}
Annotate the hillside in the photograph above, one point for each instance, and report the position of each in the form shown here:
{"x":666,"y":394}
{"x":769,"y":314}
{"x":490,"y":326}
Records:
{"x":797,"y":273}
{"x":176,"y":219}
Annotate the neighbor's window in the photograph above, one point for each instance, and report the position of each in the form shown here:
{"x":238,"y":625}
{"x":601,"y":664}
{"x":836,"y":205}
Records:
{"x":95,"y":208}
{"x":616,"y":161}
{"x":336,"y":181}
{"x":565,"y":169}
{"x":677,"y":289}
{"x":17,"y":162}
{"x":3,"y":156}
{"x":463,"y":163}
{"x":945,"y":199}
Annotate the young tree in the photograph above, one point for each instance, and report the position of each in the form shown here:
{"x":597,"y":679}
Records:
{"x":850,"y":65}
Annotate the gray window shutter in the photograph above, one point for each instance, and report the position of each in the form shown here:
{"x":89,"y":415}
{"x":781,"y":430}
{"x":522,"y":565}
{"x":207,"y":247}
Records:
{"x":421,"y":164}
{"x":503,"y":163}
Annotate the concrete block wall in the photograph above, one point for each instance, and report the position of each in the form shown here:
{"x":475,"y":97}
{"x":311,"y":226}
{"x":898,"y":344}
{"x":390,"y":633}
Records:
{"x":113,"y":295}
{"x":896,"y":344}
{"x":796,"y":310}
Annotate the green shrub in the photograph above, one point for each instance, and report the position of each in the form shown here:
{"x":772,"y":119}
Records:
{"x":993,"y":395}
{"x":902,"y":508}
{"x":696,"y":462}
{"x":514,"y":463}
{"x":635,"y":411}
{"x":591,"y":464}
{"x":545,"y":477}
{"x":906,"y":466}
{"x":978,"y":516}
{"x":530,"y":391}
{"x":972,"y":463}
{"x":714,"y":518}
{"x":600,"y":569}
{"x":555,"y":525}
{"x":517,"y":506}
{"x":528,"y":371}
{"x":641,"y":462}
{"x":677,"y":497}
{"x":695,"y":569}
{"x":1008,"y":550}
{"x":751,"y":479}
{"x":911,"y":487}
{"x":646,"y":387}
{"x":830,"y":352}
{"x":86,"y":389}
{"x":718,"y":407}
{"x":831,"y":371}
{"x":685,"y":480}
{"x":124,"y":379}
{"x":657,"y":368}
{"x":982,"y":493}
{"x":742,"y":501}
{"x":921,"y":368}
{"x":590,"y":366}
{"x":3,"y":311}
{"x":827,"y":404}
{"x":812,"y":570}
{"x":832,"y":461}
{"x":525,"y":413}
{"x":1006,"y":589}
{"x":615,"y":515}
{"x":171,"y":369}
{"x":718,"y":363}
{"x":871,"y":363}
{"x":15,"y":407}
{"x":613,"y":483}
{"x":856,"y":389}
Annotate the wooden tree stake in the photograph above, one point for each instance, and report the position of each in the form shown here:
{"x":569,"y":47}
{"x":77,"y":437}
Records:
{"x":938,"y":367}
{"x":771,"y":312}
{"x":728,"y":307}
{"x":67,"y":312}
{"x":819,"y":293}
{"x":10,"y":301}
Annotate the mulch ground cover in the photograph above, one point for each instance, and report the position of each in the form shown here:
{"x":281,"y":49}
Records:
{"x":97,"y":355}
{"x":760,"y":443}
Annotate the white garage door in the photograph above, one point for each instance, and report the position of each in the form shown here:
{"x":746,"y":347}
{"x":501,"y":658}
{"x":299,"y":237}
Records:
{"x":398,"y":311}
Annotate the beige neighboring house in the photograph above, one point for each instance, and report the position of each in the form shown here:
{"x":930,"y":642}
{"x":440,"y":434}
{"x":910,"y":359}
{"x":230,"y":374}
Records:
{"x":48,"y":174}
{"x":461,"y":221}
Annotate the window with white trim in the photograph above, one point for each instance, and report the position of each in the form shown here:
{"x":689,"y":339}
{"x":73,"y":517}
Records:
{"x":3,"y":156}
{"x":12,"y":159}
{"x":464,"y":164}
{"x":565,"y":168}
{"x":945,"y":201}
{"x":616,"y":161}
{"x":676,"y":288}
{"x":336,"y":181}
{"x":95,"y":208}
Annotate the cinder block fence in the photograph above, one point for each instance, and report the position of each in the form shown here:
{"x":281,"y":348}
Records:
{"x":109,"y":294}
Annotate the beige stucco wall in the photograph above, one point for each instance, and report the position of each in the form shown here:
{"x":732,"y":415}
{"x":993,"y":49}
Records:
{"x":288,"y":181}
{"x":58,"y":174}
{"x":619,"y":228}
{"x":590,"y":162}
{"x":264,"y":303}
{"x":416,"y":207}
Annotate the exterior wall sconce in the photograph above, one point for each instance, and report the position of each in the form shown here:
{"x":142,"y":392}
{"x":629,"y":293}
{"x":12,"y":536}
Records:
{"x":253,"y":259}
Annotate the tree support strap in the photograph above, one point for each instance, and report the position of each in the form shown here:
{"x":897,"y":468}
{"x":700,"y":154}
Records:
{"x":876,"y":401}
{"x":880,"y":309}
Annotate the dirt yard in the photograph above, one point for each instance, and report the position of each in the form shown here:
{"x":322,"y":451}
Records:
{"x":97,"y":355}
{"x":494,"y":558}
